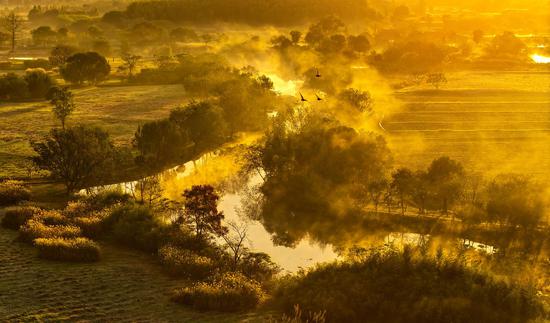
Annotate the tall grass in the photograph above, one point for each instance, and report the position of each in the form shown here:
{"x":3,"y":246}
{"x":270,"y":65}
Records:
{"x":73,"y":249}
{"x":228,"y":292}
{"x":183,"y":262}
{"x":18,"y":216}
{"x":34,"y":229}
{"x":13,"y":192}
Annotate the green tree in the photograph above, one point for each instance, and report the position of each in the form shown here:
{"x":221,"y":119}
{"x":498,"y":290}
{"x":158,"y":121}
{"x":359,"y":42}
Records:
{"x":79,"y":156}
{"x":63,"y":104}
{"x":201,"y":207}
{"x":38,"y":82}
{"x":446,"y":176}
{"x":85,"y":67}
{"x":515,"y":200}
{"x":13,"y":24}
{"x":403,"y":184}
{"x":203,"y":123}
{"x":43,"y":35}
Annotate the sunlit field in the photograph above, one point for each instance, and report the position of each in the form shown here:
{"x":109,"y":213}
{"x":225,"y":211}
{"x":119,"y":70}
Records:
{"x":281,"y":161}
{"x":119,"y":108}
{"x":492,"y":121}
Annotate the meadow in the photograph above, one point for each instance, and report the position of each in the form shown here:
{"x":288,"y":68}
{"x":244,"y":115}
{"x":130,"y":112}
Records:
{"x":127,"y":286}
{"x":117,"y":109}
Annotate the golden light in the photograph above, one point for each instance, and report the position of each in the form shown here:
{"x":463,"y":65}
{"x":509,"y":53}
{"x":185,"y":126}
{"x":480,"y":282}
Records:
{"x":539,"y":59}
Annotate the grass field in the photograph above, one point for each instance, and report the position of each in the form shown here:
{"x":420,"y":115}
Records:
{"x":118,"y":109}
{"x":484,"y":120}
{"x":125,"y":286}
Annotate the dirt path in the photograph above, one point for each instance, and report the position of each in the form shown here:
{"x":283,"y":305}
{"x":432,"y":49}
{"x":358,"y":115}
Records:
{"x":124,"y":286}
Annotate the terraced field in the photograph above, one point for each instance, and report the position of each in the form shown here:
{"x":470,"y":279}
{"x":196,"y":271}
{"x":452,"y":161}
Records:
{"x":492,"y":129}
{"x":124,"y":286}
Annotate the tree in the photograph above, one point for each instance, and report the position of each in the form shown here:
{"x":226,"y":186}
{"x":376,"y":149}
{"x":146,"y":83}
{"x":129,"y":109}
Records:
{"x":235,"y":239}
{"x":63,"y":104}
{"x":515,"y":200}
{"x":38,"y":82}
{"x":160,"y":143}
{"x":436,"y":79}
{"x":60,"y":54}
{"x":85,"y":67}
{"x":130,"y":63}
{"x":376,"y":190}
{"x":446,"y":176}
{"x":203,"y":123}
{"x":359,"y":43}
{"x":295,"y":36}
{"x":201,"y":207}
{"x":43,"y":35}
{"x":13,"y":87}
{"x":403,"y":184}
{"x":360,"y":100}
{"x":79,"y":156}
{"x":13,"y":24}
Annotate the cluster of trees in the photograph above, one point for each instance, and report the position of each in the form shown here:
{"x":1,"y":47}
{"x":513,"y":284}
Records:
{"x":313,"y":169}
{"x":318,"y":173}
{"x":46,"y":36}
{"x":249,"y":11}
{"x":35,"y":84}
{"x":329,"y":37}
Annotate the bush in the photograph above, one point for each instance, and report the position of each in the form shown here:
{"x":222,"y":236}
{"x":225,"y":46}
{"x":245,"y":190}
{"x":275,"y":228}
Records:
{"x":402,"y":287}
{"x":75,"y":249}
{"x":16,"y":217}
{"x":183,"y":262}
{"x":38,"y":82}
{"x":136,"y":226}
{"x":91,"y":225}
{"x":228,"y":292}
{"x":13,"y":192}
{"x":51,"y":217}
{"x":35,"y":229}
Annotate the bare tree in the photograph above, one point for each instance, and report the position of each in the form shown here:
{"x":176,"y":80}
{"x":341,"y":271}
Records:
{"x":13,"y":24}
{"x":235,"y":239}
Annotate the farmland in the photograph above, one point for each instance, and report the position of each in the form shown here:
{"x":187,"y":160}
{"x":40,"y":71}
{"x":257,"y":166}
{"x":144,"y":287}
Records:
{"x":492,"y":122}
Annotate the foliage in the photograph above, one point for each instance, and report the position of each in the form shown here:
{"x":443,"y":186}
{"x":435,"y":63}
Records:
{"x":13,"y":87}
{"x":316,"y":171}
{"x":85,"y":67}
{"x":63,"y":104}
{"x":136,"y":226}
{"x":13,"y":192}
{"x":183,"y":262}
{"x":201,"y":209}
{"x":78,"y":156}
{"x":250,"y":12}
{"x":391,"y":286}
{"x":18,"y":216}
{"x":60,"y":54}
{"x":75,"y":249}
{"x":515,"y":200}
{"x":228,"y":292}
{"x":35,"y":229}
{"x":38,"y":82}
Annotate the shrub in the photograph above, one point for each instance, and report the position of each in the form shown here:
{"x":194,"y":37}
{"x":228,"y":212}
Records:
{"x":258,"y":266}
{"x":403,"y":287}
{"x":228,"y":292}
{"x":91,"y":225}
{"x":183,"y":262}
{"x":34,"y":229}
{"x":38,"y":82}
{"x":75,"y":249}
{"x":136,"y":226}
{"x":16,"y":217}
{"x":51,"y":217}
{"x":13,"y":192}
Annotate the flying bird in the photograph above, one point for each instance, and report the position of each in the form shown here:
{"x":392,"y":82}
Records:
{"x":302,"y":98}
{"x":318,"y":97}
{"x":317,"y":74}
